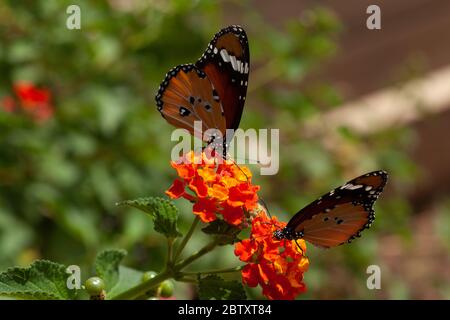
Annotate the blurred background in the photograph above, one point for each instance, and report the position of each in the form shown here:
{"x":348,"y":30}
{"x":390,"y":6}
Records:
{"x":79,"y":129}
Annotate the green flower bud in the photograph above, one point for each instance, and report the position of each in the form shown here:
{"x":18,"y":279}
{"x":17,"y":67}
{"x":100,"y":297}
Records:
{"x":94,"y":286}
{"x":148,"y":275}
{"x":165,"y":289}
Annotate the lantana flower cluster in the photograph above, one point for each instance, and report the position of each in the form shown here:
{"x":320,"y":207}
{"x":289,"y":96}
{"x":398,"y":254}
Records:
{"x":217,"y":188}
{"x":276,"y":265}
{"x":221,"y":189}
{"x":30,"y":99}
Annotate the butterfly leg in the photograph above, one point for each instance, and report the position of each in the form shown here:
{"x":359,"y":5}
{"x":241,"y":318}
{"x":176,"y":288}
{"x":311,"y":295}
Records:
{"x":303,"y":253}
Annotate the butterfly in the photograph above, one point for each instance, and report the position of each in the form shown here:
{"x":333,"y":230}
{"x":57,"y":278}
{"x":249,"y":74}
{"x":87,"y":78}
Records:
{"x":212,"y":90}
{"x":339,"y":216}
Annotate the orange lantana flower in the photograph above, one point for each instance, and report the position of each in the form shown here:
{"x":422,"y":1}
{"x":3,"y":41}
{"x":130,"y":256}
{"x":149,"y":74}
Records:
{"x":276,"y":265}
{"x":215,"y":187}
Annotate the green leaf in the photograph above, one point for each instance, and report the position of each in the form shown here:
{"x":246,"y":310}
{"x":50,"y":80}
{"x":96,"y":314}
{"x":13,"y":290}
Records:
{"x":214,"y":287}
{"x":163,"y":212}
{"x":117,"y":278}
{"x":107,"y":266}
{"x":128,"y":278}
{"x":224,"y":232}
{"x":42,"y":280}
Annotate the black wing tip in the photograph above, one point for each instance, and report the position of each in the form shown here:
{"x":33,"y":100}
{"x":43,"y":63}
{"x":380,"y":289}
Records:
{"x":376,"y":173}
{"x":382,"y":173}
{"x":235,"y":29}
{"x":371,"y":212}
{"x":385,"y":175}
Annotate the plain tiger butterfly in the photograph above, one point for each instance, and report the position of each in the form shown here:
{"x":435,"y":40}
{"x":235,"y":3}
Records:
{"x":339,"y":216}
{"x":212,"y":90}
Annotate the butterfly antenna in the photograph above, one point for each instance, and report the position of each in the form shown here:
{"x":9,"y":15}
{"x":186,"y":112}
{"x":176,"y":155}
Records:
{"x":265,"y":207}
{"x":234,"y":162}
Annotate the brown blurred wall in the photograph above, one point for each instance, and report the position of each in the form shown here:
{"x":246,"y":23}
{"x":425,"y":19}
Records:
{"x":414,"y":39}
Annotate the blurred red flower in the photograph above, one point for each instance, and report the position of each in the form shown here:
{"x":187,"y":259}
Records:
{"x":30,"y":99}
{"x":215,"y":188}
{"x":276,"y":265}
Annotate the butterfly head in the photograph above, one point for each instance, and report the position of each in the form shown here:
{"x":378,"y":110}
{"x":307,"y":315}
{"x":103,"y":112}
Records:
{"x":287,"y":233}
{"x":278,"y":234}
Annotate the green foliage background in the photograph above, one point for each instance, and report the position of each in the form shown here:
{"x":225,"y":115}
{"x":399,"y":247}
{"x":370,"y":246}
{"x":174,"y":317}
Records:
{"x":60,"y":180}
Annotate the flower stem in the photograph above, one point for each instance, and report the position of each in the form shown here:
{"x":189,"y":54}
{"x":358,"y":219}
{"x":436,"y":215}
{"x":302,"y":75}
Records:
{"x":217,"y":271}
{"x":171,"y":271}
{"x":142,"y":288}
{"x":186,"y":238}
{"x":209,"y":247}
{"x":170,"y":242}
{"x":188,"y":280}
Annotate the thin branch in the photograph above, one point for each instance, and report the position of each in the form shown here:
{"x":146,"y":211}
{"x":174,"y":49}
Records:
{"x":217,"y":271}
{"x":209,"y":247}
{"x":144,"y":287}
{"x":186,"y":238}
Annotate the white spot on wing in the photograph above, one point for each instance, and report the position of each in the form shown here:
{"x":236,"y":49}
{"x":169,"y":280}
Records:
{"x":224,"y":55}
{"x":234,"y":63}
{"x":350,"y":186}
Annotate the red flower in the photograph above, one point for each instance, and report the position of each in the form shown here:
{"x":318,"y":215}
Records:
{"x":30,"y":96}
{"x":34,"y":101}
{"x":216,"y":187}
{"x":176,"y":190}
{"x":276,"y":265}
{"x":205,"y":208}
{"x":243,"y":194}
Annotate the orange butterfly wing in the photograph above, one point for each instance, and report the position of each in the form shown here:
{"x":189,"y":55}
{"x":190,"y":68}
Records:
{"x":187,"y":95}
{"x":340,"y":215}
{"x":226,"y":66}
